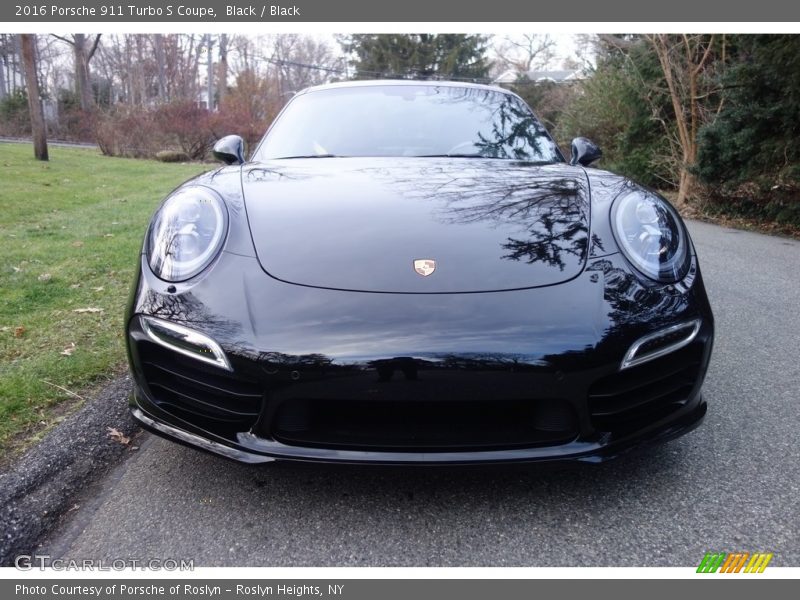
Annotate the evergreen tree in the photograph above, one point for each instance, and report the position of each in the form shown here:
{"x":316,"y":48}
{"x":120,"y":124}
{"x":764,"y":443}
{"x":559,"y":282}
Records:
{"x":418,"y":56}
{"x":750,"y":155}
{"x":758,"y":127}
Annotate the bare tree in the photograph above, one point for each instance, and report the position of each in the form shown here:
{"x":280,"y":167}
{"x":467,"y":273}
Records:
{"x":245,"y":50}
{"x":299,"y":61}
{"x":145,"y":67}
{"x":3,"y":67}
{"x":17,"y":57}
{"x":525,"y":52}
{"x":683,"y":60}
{"x":141,"y":70}
{"x":222,"y":67}
{"x":161,"y":66}
{"x":38,"y":129}
{"x":13,"y":76}
{"x":83,"y":51}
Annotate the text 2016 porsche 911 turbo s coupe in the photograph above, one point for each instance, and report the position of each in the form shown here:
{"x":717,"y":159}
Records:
{"x":410,"y":272}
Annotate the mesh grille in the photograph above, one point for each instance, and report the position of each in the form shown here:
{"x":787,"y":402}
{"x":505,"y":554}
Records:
{"x":643,"y":394}
{"x":424,"y":426}
{"x":191,"y":390}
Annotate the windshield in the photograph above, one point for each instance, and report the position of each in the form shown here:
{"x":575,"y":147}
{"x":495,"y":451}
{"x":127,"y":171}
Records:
{"x":408,"y":120}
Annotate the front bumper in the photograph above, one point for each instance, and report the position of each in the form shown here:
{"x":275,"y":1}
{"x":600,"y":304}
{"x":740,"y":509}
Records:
{"x":499,"y":380}
{"x":364,"y":415}
{"x":253,"y":450}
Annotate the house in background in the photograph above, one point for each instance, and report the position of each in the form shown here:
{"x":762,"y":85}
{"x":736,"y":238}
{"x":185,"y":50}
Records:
{"x":511,"y":76}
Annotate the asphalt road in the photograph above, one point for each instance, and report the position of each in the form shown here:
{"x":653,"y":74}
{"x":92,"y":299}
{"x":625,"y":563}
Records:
{"x":733,"y":484}
{"x":50,"y":142}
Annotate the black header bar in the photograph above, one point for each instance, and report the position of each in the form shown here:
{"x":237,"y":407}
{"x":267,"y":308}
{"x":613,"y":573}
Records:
{"x":435,"y":11}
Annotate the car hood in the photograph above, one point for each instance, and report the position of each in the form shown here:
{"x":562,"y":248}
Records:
{"x":361,"y":223}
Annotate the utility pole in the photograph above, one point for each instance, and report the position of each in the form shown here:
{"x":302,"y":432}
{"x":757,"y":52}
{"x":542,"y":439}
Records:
{"x":222,"y":68}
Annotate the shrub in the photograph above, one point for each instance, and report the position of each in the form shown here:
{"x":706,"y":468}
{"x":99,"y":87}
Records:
{"x":755,"y":135}
{"x":14,"y":116}
{"x":172,"y":156}
{"x":618,"y":109}
{"x":136,"y":131}
{"x":128,"y":131}
{"x":72,"y":123}
{"x":548,"y":101}
{"x":248,"y":109}
{"x":139,"y":132}
{"x":189,"y":125}
{"x":749,"y":157}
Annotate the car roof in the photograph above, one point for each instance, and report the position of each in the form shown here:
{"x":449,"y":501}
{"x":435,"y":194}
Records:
{"x":416,"y":82}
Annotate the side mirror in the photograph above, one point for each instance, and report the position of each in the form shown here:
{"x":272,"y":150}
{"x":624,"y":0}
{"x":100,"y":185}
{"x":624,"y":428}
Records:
{"x":584,"y":152}
{"x":229,"y":150}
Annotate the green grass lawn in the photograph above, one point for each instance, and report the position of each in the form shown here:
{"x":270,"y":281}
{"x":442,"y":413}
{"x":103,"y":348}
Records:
{"x":71,"y":231}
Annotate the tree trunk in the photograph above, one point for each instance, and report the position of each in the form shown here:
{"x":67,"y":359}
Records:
{"x":129,"y":76}
{"x":686,"y":187}
{"x":210,"y":72}
{"x":685,"y":102}
{"x":161,"y":66}
{"x":15,"y":66}
{"x":3,"y":91}
{"x":28,"y":43}
{"x":141,"y":81}
{"x":83,"y":85}
{"x":5,"y":63}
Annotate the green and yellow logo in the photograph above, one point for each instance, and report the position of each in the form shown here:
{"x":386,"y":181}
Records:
{"x":736,"y":562}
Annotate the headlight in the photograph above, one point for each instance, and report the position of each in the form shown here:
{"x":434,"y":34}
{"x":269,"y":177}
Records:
{"x":186,"y":233}
{"x":650,"y":234}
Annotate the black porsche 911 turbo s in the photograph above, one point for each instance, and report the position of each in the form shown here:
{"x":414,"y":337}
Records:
{"x":410,"y":272}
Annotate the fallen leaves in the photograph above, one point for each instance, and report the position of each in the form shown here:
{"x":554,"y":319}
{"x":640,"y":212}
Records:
{"x":68,"y":349}
{"x":88,"y":309}
{"x":115,"y":435}
{"x":19,"y":331}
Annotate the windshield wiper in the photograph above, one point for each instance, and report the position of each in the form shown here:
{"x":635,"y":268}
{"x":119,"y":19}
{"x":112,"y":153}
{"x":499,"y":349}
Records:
{"x":308,"y":156}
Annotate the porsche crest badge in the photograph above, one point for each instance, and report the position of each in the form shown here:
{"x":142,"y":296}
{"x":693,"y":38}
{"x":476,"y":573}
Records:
{"x":424,"y":266}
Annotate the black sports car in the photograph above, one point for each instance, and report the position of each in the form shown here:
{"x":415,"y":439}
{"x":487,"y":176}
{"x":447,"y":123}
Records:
{"x":410,"y":272}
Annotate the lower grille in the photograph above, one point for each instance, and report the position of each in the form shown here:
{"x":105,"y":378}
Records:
{"x":189,"y":390}
{"x":644,"y":394}
{"x":424,"y":425}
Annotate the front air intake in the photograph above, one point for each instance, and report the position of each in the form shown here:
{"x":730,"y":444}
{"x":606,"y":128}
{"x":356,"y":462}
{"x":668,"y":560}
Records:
{"x":185,"y":341}
{"x":660,"y":343}
{"x":627,"y":401}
